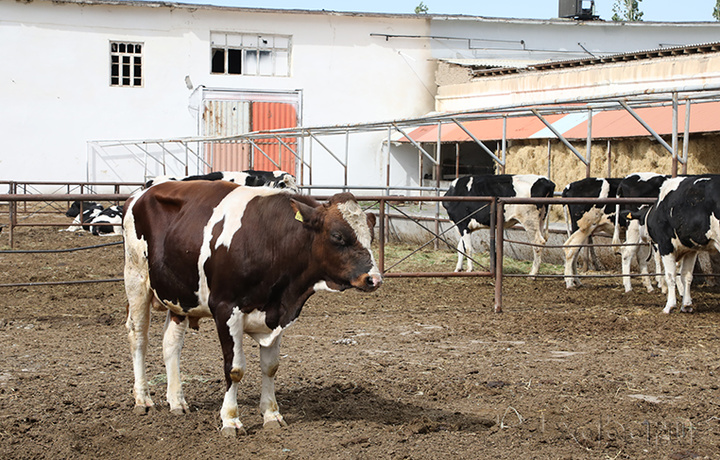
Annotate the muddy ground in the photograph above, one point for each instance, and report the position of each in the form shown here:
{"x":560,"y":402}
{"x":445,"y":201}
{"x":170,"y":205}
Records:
{"x":421,"y":369}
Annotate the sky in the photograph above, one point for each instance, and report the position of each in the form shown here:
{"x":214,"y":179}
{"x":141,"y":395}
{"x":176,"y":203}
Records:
{"x":653,"y":10}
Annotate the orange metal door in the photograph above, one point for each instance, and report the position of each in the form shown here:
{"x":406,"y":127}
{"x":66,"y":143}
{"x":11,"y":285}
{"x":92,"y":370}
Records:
{"x":268,"y":116}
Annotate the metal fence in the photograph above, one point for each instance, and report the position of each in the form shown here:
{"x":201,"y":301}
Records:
{"x":384,"y":204}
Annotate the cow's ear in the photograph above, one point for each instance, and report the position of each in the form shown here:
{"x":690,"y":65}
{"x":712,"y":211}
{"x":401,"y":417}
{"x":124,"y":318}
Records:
{"x":371,"y":219}
{"x":303,"y":212}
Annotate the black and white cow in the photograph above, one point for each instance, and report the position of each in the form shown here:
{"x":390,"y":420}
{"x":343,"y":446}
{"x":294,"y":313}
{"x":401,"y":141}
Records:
{"x":587,"y":219}
{"x":469,"y":216}
{"x":637,"y":185}
{"x":90,"y":210}
{"x":685,"y":220}
{"x":249,"y":178}
{"x":108,"y":222}
{"x":249,"y":257}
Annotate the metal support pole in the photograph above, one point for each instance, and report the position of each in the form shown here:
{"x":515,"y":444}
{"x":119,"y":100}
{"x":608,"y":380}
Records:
{"x":686,"y":137}
{"x":438,"y":167}
{"x":457,"y":160}
{"x":557,"y":134}
{"x":493,"y":236}
{"x":674,"y":170}
{"x":588,"y":154}
{"x":657,"y":137}
{"x":499,"y":227}
{"x":609,"y":158}
{"x":12,"y":207}
{"x":347,"y":155}
{"x":549,"y":150}
{"x":387,"y":153}
{"x":504,"y":145}
{"x":381,"y":239}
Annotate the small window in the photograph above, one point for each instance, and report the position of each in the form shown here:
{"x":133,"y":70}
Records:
{"x":250,"y":54}
{"x":126,"y":64}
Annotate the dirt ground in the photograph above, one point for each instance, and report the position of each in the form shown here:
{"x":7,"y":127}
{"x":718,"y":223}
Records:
{"x":421,"y":369}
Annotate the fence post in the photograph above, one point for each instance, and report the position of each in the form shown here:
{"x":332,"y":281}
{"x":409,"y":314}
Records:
{"x":499,"y":227}
{"x":12,"y":209}
{"x":381,"y":239}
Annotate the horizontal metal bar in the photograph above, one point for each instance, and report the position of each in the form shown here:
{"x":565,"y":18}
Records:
{"x":434,"y":274}
{"x":58,"y":283}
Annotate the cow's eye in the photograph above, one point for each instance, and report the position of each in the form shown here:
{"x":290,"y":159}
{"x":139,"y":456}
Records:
{"x":337,"y":238}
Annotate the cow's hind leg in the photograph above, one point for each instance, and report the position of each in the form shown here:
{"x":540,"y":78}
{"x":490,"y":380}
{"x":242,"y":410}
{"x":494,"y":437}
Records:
{"x":230,"y":331}
{"x":629,"y":252}
{"x":533,"y":229}
{"x":173,"y":339}
{"x":464,"y":247}
{"x":138,"y":324}
{"x":572,"y":251}
{"x":268,"y":404}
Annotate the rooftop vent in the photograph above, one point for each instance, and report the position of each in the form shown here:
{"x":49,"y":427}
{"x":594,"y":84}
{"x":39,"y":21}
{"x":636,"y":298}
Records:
{"x":577,"y":9}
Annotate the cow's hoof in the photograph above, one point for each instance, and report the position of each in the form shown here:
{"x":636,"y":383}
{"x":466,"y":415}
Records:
{"x":143,"y":410}
{"x":178,"y":411}
{"x":275,"y":423}
{"x":687,"y":309}
{"x":232,"y":431}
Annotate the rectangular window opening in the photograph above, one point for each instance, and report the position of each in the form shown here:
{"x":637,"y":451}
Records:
{"x":126,"y":64}
{"x":250,"y":54}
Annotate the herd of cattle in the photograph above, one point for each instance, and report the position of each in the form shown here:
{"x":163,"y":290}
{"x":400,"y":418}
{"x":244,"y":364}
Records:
{"x":682,"y":221}
{"x":235,"y":247}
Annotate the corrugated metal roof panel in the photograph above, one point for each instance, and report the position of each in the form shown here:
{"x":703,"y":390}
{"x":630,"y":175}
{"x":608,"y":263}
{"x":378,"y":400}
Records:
{"x":515,"y":63}
{"x":607,"y":124}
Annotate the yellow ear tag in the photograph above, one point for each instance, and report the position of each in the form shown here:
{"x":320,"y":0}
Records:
{"x":629,"y":216}
{"x":299,"y":217}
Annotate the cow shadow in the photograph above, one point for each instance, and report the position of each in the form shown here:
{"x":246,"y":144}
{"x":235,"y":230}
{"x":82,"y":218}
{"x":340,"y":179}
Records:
{"x":345,"y":402}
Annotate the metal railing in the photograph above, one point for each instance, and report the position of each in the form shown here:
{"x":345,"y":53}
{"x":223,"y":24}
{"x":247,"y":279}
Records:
{"x":496,"y":236}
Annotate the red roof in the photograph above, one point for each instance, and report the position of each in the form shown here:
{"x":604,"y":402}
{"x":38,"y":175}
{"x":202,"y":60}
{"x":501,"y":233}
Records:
{"x":704,"y":117}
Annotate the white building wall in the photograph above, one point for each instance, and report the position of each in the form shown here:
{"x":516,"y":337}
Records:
{"x":54,"y":75}
{"x":57,"y":96}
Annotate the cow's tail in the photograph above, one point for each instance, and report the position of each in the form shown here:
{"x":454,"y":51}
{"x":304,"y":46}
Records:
{"x":567,"y":220}
{"x":616,"y":231}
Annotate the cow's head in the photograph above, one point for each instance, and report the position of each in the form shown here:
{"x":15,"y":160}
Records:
{"x":343,"y":235}
{"x":639,"y":214}
{"x":85,"y":206}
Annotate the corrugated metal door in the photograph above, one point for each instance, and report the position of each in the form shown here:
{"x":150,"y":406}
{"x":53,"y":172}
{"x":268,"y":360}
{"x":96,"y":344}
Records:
{"x":226,"y":118}
{"x":274,"y":115}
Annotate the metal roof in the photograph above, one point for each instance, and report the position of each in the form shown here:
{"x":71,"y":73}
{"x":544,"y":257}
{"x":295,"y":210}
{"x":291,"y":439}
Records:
{"x":700,"y":48}
{"x":433,"y":16}
{"x":605,"y":124}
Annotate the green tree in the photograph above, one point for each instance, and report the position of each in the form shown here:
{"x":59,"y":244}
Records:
{"x":627,"y":10}
{"x":423,"y":9}
{"x":716,"y":10}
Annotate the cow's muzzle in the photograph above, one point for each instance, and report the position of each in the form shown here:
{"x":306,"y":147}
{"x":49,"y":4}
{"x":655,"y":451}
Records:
{"x":368,"y":282}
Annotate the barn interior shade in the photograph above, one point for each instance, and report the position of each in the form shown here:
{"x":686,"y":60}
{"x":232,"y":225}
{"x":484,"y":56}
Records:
{"x":605,"y":124}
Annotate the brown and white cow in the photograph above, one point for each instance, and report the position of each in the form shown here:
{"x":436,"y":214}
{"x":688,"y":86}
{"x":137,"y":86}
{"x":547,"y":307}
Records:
{"x":249,"y":257}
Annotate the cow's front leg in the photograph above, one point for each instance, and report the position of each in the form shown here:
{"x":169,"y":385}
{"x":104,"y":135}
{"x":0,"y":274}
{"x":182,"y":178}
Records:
{"x":268,"y":404}
{"x":687,"y":264}
{"x":230,"y":332}
{"x":173,"y":339}
{"x":670,"y":270}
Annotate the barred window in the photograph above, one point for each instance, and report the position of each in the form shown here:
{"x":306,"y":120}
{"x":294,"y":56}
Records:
{"x":250,"y":54}
{"x":126,"y":64}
